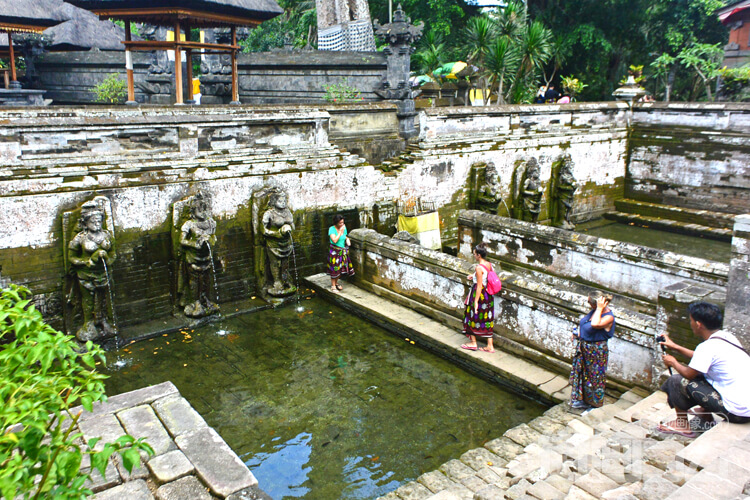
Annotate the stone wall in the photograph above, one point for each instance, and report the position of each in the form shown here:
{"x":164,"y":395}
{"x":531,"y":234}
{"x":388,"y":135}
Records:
{"x":534,"y":316}
{"x":690,"y":155}
{"x":264,"y":77}
{"x":624,"y":268}
{"x":455,"y":139}
{"x":143,"y":159}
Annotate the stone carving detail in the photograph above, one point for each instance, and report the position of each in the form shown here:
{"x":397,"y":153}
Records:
{"x":562,"y":192}
{"x":273,"y":224}
{"x":88,"y":257}
{"x":159,"y":60}
{"x":488,"y":189}
{"x":528,"y":191}
{"x":401,"y":36}
{"x":193,"y":236}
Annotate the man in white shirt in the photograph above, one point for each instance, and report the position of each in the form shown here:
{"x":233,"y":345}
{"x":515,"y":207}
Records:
{"x":717,"y":377}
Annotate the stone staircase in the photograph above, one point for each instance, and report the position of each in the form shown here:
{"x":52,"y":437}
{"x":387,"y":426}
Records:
{"x":613,"y":452}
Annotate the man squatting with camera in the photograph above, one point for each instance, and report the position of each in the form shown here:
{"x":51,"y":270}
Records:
{"x":717,"y":377}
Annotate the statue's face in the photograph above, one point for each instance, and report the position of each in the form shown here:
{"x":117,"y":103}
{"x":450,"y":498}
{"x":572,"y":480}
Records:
{"x":281,"y":202}
{"x":200,"y":210}
{"x":94,"y":223}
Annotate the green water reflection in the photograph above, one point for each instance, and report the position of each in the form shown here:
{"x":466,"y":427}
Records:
{"x":693,"y":246}
{"x":321,"y":404}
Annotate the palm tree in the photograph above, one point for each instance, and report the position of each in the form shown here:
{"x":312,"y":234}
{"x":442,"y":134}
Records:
{"x":535,"y":50}
{"x":431,"y":53}
{"x":479,"y":34}
{"x":502,"y":64}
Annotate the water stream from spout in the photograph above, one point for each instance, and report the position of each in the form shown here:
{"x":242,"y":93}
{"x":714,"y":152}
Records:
{"x":213,"y":270}
{"x":510,"y":215}
{"x":296,"y":272}
{"x":120,"y":362}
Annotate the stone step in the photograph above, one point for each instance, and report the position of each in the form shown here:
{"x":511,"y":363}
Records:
{"x":708,"y":218}
{"x":712,"y":444}
{"x":672,"y":226}
{"x":644,"y":405}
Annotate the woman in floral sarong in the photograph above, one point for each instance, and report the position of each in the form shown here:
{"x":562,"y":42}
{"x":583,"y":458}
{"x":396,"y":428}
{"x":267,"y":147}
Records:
{"x":479,"y":314}
{"x":589,"y":373}
{"x":338,"y":253}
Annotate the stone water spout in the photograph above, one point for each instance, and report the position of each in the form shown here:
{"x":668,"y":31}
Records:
{"x":88,"y":255}
{"x":194,"y":256}
{"x":273,"y":224}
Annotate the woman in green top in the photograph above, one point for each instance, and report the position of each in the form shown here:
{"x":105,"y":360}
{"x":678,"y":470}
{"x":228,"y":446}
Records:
{"x":338,"y":254}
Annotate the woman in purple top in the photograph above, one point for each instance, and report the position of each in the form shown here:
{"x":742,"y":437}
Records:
{"x":589,"y":373}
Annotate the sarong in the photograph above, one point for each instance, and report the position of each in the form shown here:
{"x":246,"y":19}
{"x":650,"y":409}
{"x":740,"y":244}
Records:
{"x":589,"y":374}
{"x":481,"y":323}
{"x":683,"y":394}
{"x":338,"y":262}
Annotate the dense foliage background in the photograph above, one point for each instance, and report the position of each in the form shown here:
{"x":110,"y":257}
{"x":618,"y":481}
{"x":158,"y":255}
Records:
{"x":678,"y":43}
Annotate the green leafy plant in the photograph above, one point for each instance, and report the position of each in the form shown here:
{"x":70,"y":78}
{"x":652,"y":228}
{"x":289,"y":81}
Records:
{"x":111,"y":90}
{"x":42,"y":378}
{"x":342,"y":92}
{"x":704,"y":59}
{"x":636,"y":71}
{"x":735,"y":83}
{"x":572,"y":85}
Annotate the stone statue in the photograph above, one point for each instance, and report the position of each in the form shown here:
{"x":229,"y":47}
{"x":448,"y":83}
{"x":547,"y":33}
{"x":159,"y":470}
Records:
{"x":277,"y":225}
{"x":488,"y":192}
{"x":531,"y":192}
{"x":89,"y":255}
{"x":563,"y":189}
{"x":197,"y":235}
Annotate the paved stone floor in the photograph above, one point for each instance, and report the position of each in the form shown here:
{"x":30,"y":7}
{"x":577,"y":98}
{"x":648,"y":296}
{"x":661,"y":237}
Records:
{"x":192,"y":461}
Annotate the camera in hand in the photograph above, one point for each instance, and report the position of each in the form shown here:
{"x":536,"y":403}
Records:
{"x":661,"y":338}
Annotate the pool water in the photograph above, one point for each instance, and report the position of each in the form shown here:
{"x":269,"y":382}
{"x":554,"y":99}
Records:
{"x":693,"y":246}
{"x":321,"y":404}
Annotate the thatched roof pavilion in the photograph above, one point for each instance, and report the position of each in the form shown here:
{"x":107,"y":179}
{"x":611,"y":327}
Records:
{"x":82,"y":31}
{"x":27,"y":17}
{"x":179,"y":15}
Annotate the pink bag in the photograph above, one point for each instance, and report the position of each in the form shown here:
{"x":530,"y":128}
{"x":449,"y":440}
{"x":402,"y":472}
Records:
{"x":494,"y":285}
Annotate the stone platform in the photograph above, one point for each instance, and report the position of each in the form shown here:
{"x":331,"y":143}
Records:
{"x":191,"y":462}
{"x":505,"y":368}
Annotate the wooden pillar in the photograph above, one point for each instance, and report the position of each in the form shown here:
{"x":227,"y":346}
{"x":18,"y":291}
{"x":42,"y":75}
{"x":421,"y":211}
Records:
{"x":129,"y":65}
{"x":235,"y":83}
{"x":189,"y":65}
{"x":13,"y":81}
{"x":177,"y":64}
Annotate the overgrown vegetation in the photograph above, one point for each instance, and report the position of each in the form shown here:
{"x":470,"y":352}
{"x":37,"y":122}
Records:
{"x":42,"y":379}
{"x":342,"y":92}
{"x":111,"y":90}
{"x":296,"y":27}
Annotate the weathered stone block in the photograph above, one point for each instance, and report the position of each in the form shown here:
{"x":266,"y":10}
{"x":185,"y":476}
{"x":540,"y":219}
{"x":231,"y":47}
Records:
{"x":656,"y":488}
{"x":504,"y":447}
{"x":456,"y":470}
{"x":187,"y":487}
{"x":111,"y":478}
{"x":544,"y":491}
{"x":170,"y":466}
{"x":522,"y":434}
{"x":106,"y":427}
{"x":134,"y":490}
{"x":142,"y":422}
{"x":595,"y":483}
{"x":177,"y":415}
{"x":215,"y":462}
{"x":413,"y":491}
{"x":479,"y":458}
{"x":435,"y":481}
